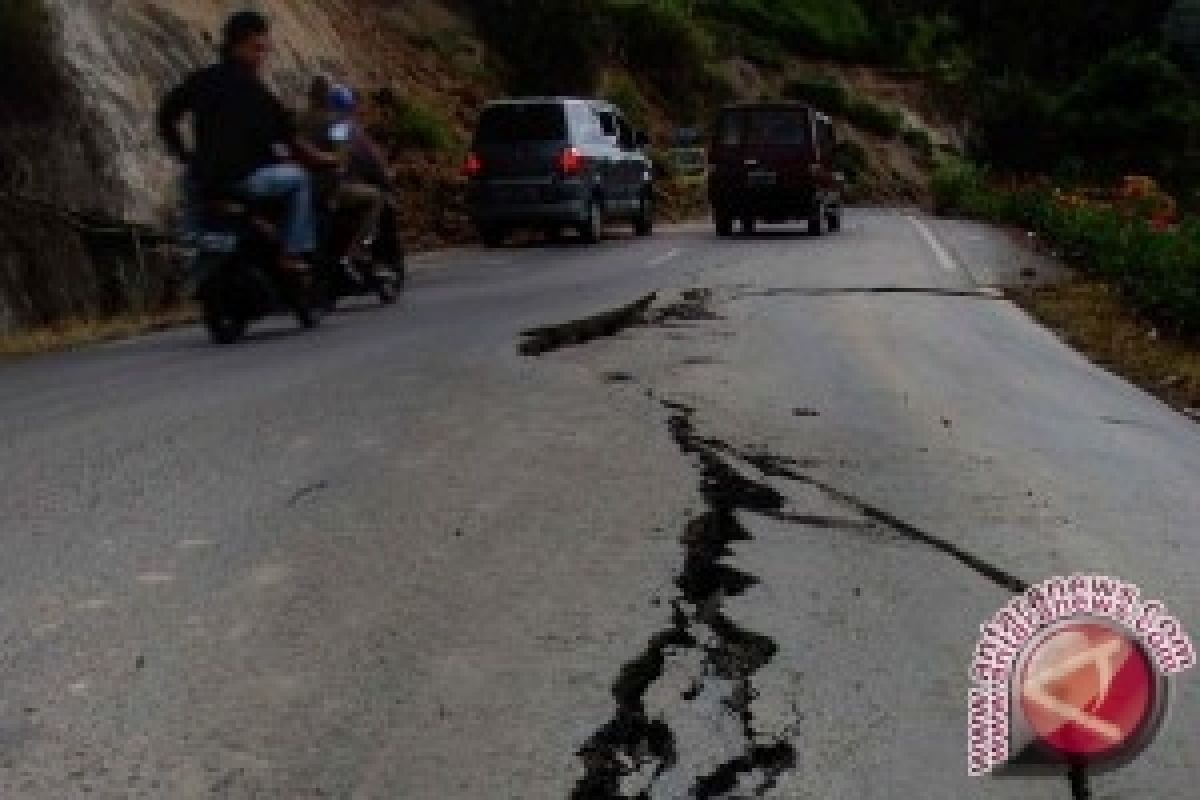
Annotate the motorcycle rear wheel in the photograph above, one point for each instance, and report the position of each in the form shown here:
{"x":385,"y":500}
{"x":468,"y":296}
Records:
{"x":223,"y":327}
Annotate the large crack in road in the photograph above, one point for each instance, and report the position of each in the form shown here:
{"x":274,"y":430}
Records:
{"x":632,"y":753}
{"x":631,"y":746}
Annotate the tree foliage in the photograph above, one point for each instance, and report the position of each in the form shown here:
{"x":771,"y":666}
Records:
{"x":1069,"y":86}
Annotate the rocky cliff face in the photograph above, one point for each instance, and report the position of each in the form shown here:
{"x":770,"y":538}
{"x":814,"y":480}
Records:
{"x":120,"y":57}
{"x":91,"y":146}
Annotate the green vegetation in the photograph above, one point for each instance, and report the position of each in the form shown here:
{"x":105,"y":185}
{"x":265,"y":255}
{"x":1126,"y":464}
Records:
{"x":851,"y":160}
{"x":832,"y":96}
{"x":1079,"y":90}
{"x":874,"y":118}
{"x":828,"y":94}
{"x":622,"y":91}
{"x":1084,"y":89}
{"x":921,"y":142}
{"x":834,"y":28}
{"x":406,"y":123}
{"x":1157,"y":271}
{"x":671,"y":45}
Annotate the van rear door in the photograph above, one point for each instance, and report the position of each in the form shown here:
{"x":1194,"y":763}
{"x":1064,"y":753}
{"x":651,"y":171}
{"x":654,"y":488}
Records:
{"x":767,"y":146}
{"x":521,"y":140}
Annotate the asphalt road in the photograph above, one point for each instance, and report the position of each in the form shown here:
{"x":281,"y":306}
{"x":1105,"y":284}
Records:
{"x":395,"y":558}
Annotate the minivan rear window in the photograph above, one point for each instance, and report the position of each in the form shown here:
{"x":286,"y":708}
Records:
{"x":764,"y":127}
{"x":525,"y":122}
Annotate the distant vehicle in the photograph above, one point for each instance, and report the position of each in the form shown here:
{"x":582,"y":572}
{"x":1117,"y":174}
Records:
{"x":689,"y":164}
{"x":551,"y":163}
{"x":687,"y":137}
{"x":773,"y":162}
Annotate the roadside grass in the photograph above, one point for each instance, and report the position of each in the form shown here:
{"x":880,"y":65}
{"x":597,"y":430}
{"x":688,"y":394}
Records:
{"x":72,"y":334}
{"x":1092,"y":316}
{"x":1117,"y":237}
{"x":1134,"y":303}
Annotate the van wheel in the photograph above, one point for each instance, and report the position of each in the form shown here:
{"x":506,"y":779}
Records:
{"x":592,"y":228}
{"x":724,"y":224}
{"x":492,"y":235}
{"x":817,"y":222}
{"x":749,"y":225}
{"x":834,"y":220}
{"x":643,"y":223}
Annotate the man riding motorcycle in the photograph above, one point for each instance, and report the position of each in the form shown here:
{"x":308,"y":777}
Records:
{"x":360,"y":193}
{"x":244,"y":140}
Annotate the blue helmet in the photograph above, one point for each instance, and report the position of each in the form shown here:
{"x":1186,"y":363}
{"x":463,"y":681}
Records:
{"x":341,"y":99}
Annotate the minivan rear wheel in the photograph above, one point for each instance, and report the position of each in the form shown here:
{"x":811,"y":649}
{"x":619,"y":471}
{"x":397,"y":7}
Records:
{"x":592,"y":228}
{"x":817,"y":222}
{"x":492,"y":235}
{"x":724,"y":224}
{"x":643,"y":223}
{"x":834,"y":218}
{"x":223,"y":327}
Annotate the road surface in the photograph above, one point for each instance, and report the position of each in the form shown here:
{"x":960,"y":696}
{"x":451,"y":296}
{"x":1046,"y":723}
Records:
{"x":690,"y":557}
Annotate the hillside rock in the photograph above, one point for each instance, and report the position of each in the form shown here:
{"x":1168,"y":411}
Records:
{"x":92,"y":147}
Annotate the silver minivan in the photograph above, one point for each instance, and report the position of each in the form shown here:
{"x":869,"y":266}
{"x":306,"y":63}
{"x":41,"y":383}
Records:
{"x":551,"y":163}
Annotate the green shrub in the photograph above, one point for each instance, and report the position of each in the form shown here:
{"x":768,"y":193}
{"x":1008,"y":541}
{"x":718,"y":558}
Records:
{"x":872,"y":118}
{"x":828,"y":94}
{"x":850,"y":159}
{"x":836,"y":28}
{"x":406,"y":123}
{"x":958,"y":187}
{"x":1158,"y":271}
{"x":537,"y":62}
{"x":920,"y":141}
{"x":621,"y":90}
{"x":659,"y":39}
{"x":732,"y":41}
{"x":832,"y":96}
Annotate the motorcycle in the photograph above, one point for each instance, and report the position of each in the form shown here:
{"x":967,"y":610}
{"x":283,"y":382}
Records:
{"x":370,"y":273}
{"x":371,"y":270}
{"x":236,"y":273}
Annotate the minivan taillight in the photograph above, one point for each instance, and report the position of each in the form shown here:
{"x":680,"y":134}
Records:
{"x":569,"y":162}
{"x":472,"y":165}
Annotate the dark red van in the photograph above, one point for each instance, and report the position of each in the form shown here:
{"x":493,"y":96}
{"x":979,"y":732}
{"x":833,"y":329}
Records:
{"x":773,"y":162}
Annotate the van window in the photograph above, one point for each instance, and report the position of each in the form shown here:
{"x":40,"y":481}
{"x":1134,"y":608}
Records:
{"x":608,"y":121}
{"x":777,"y":127}
{"x":585,"y":125}
{"x":764,"y":127}
{"x":525,"y":122}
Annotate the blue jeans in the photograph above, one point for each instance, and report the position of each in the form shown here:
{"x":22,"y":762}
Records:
{"x":293,"y":184}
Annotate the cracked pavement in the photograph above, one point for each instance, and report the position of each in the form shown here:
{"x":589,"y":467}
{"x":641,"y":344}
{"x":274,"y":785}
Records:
{"x":732,"y":535}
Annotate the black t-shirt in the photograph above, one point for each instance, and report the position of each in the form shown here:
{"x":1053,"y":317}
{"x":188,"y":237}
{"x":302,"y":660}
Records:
{"x":238,"y":124}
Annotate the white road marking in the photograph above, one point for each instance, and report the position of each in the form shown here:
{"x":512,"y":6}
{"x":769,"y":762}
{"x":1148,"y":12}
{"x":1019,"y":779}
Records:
{"x":665,"y":257}
{"x":944,"y":259}
{"x":195,"y":544}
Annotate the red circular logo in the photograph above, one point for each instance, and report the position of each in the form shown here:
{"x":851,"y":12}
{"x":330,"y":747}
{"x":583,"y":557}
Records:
{"x":1087,"y":689}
